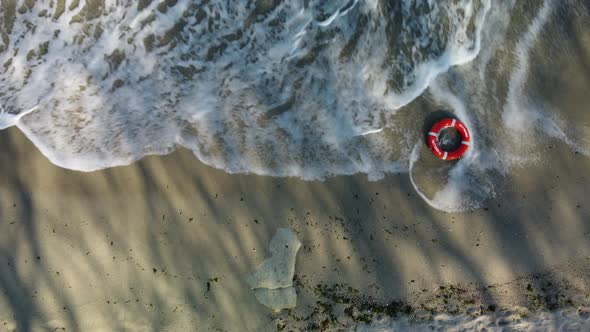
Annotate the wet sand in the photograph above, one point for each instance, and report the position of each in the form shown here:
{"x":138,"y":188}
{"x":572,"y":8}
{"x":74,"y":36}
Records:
{"x":167,"y":243}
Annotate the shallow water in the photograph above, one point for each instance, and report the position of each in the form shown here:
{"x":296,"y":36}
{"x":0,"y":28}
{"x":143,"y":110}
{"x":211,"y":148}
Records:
{"x":309,"y":89}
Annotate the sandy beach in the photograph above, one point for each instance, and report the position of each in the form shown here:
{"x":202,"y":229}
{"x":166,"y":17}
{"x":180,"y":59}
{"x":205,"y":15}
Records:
{"x":296,"y":92}
{"x":167,"y":243}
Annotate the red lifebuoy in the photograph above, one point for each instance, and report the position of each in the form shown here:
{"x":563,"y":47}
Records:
{"x":433,"y":139}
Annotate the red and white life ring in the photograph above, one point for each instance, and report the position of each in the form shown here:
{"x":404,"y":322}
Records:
{"x":433,"y":139}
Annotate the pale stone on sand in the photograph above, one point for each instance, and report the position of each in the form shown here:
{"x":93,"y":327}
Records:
{"x":273,"y":280}
{"x":278,"y":270}
{"x":277,"y":299}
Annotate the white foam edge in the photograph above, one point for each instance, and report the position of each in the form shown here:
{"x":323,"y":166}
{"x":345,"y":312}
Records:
{"x":515,"y":115}
{"x":449,"y":192}
{"x":519,"y":117}
{"x":336,"y":14}
{"x":8,"y":120}
{"x":428,"y":71}
{"x":76,"y":163}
